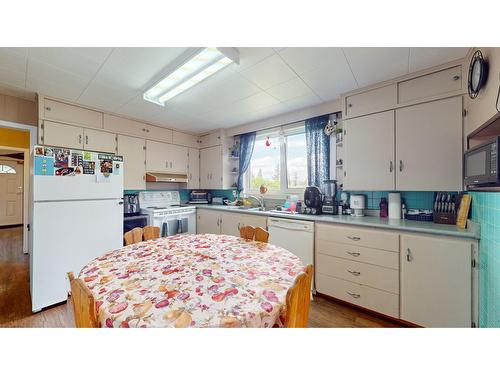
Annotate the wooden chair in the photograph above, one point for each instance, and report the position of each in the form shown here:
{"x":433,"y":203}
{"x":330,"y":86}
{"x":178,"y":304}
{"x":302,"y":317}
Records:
{"x":261,"y":234}
{"x":83,"y":303}
{"x":151,"y":233}
{"x":133,"y":236}
{"x":254,"y":234}
{"x":298,"y":299}
{"x":247,"y":232}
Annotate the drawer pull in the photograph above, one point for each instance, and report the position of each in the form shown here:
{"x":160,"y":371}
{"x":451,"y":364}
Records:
{"x":409,"y":257}
{"x":456,"y":78}
{"x":354,"y":238}
{"x":353,"y":253}
{"x":354,"y":295}
{"x":355,"y":273}
{"x":48,"y":109}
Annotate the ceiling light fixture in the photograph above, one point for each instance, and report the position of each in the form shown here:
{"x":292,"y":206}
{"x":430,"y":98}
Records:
{"x":204,"y":63}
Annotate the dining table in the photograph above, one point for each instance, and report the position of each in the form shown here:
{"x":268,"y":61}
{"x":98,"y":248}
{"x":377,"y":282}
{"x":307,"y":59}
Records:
{"x":192,"y":280}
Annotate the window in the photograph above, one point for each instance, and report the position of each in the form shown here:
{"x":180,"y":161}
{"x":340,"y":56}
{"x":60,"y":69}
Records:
{"x":279,"y":161}
{"x":6,"y":169}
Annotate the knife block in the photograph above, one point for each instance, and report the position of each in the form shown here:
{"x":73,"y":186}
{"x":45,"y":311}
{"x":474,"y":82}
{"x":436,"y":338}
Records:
{"x":448,"y":217}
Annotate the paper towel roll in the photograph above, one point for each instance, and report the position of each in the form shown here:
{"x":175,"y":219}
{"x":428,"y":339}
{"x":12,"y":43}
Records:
{"x":394,"y":206}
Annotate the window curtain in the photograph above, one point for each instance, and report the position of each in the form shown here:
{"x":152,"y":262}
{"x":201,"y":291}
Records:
{"x":247,"y":142}
{"x":318,"y":151}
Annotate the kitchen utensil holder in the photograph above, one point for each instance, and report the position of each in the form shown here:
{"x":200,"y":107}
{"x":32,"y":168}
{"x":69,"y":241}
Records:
{"x":448,"y":217}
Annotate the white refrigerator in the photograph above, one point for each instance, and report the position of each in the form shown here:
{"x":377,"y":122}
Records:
{"x":77,"y":216}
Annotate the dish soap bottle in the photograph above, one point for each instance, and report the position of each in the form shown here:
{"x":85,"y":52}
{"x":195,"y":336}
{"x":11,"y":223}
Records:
{"x":384,"y":207}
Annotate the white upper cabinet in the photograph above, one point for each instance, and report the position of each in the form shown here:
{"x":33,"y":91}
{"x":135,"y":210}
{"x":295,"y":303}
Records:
{"x":56,"y":134}
{"x":97,"y":140}
{"x":123,"y":125}
{"x":431,"y":85}
{"x":436,"y":281}
{"x":371,"y":101}
{"x":211,"y":140}
{"x":184,"y":139}
{"x":164,"y":157}
{"x":193,"y":168}
{"x":71,"y":114}
{"x":369,"y":152}
{"x":133,"y":151}
{"x":211,"y":168}
{"x":429,"y":146}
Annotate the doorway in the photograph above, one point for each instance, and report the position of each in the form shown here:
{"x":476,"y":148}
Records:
{"x":11,"y":187}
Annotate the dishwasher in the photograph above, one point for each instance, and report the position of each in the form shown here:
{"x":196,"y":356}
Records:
{"x":296,"y":236}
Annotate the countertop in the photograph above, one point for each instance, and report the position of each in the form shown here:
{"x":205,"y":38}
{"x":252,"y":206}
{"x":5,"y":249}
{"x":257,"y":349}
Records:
{"x":471,"y":232}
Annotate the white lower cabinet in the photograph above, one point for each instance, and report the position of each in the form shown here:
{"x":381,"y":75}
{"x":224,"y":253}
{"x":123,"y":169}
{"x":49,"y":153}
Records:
{"x":422,"y":279}
{"x":360,"y":266}
{"x":436,"y":281}
{"x":217,"y":222}
{"x":208,"y":221}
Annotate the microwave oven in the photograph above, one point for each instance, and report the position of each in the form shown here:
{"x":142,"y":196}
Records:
{"x":481,"y":165}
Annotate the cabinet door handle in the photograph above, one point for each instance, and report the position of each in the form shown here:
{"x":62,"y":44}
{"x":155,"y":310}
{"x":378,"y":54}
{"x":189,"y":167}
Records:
{"x":353,"y":253}
{"x":355,"y":273}
{"x":390,"y":166}
{"x":456,"y":78}
{"x":349,"y":105}
{"x":401,"y":165}
{"x":409,"y":257}
{"x":170,"y":164}
{"x":239,"y":225}
{"x":143,"y":129}
{"x":354,"y":295}
{"x":354,"y":238}
{"x":80,"y":139}
{"x":86,"y":139}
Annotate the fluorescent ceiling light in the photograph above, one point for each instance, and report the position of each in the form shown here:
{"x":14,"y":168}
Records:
{"x":201,"y":66}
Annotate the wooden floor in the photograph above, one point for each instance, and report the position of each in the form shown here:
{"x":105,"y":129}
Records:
{"x":15,"y":303}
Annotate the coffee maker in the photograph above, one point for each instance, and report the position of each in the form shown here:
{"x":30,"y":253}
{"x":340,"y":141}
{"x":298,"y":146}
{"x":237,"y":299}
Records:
{"x":131,"y":205}
{"x":329,"y":204}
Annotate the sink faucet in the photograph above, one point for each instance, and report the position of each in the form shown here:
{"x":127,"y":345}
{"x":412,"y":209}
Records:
{"x":260,"y":200}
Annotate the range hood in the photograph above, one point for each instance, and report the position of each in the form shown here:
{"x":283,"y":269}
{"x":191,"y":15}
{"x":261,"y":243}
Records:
{"x":165,"y":177}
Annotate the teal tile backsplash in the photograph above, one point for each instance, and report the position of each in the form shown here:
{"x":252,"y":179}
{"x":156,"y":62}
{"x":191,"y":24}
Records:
{"x":423,"y":200}
{"x":486,"y":212}
{"x":184,"y":193}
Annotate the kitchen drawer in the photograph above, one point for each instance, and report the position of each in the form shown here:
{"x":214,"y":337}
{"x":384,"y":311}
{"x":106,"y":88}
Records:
{"x":431,"y":85}
{"x":71,"y":114}
{"x":364,"y":296}
{"x":362,"y":254}
{"x":378,"y":239}
{"x":362,"y":273}
{"x":375,"y":100}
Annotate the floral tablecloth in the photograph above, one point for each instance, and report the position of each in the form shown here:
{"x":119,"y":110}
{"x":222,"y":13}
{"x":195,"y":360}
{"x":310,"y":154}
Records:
{"x":190,"y":280}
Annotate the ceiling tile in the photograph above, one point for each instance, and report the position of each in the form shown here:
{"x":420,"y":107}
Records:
{"x":291,"y":89}
{"x":104,"y":96}
{"x":305,"y":59}
{"x":12,"y":77}
{"x":330,"y":84}
{"x":12,"y":59}
{"x":68,"y":92}
{"x":250,"y":56}
{"x":84,"y":62}
{"x":301,"y":102}
{"x":422,"y":58}
{"x":373,"y":65}
{"x":269,"y":72}
{"x":135,"y":67}
{"x":40,"y":71}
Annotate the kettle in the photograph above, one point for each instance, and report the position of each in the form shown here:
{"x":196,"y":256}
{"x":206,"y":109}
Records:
{"x":312,"y":197}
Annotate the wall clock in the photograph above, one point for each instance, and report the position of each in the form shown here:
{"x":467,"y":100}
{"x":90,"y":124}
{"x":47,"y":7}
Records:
{"x":478,"y":73}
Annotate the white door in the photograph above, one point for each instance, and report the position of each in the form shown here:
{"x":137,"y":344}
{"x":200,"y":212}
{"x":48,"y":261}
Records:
{"x":436,"y":283}
{"x":156,"y":156}
{"x":134,"y":158}
{"x":55,"y":134}
{"x":429,"y":146}
{"x":208,"y":221}
{"x":231,"y":223}
{"x":11,"y":192}
{"x":193,"y":169}
{"x":369,"y":152}
{"x":96,"y":140}
{"x":177,"y":158}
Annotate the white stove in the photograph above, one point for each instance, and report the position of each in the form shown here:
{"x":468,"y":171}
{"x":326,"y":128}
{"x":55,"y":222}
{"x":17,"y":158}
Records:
{"x":164,"y":210}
